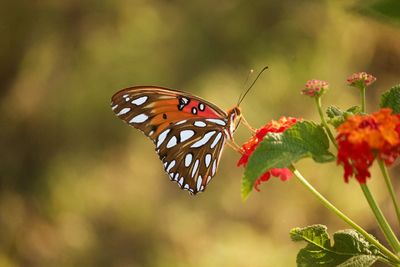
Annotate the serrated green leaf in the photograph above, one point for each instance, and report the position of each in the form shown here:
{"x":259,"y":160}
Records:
{"x":280,"y":150}
{"x":350,"y":248}
{"x":361,"y":260}
{"x":391,"y":99}
{"x":316,"y":234}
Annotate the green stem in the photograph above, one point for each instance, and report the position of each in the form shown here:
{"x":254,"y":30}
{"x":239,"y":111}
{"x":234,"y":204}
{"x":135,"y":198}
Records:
{"x":324,"y":123}
{"x":331,"y":207}
{"x":390,"y":188}
{"x":383,"y":224}
{"x":387,"y":262}
{"x":362,"y":96}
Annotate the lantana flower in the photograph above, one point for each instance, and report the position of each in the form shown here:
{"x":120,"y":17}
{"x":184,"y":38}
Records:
{"x":315,"y":88}
{"x":362,"y":138}
{"x":248,"y":148}
{"x":360,"y":79}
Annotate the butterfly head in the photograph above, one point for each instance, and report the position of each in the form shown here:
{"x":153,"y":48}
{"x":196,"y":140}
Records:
{"x":234,"y":117}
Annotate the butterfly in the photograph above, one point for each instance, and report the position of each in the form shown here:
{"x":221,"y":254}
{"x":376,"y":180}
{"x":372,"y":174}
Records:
{"x":189,"y":132}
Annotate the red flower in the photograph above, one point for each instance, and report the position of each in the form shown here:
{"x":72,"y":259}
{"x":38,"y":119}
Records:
{"x":315,"y":88}
{"x":272,"y":127}
{"x":361,"y":138}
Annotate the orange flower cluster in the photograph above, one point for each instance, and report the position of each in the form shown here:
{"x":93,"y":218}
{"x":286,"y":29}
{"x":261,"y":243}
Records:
{"x":361,"y":138}
{"x":271,"y":127}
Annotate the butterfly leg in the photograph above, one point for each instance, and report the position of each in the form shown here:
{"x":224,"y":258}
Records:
{"x":245,"y":123}
{"x":235,"y":146}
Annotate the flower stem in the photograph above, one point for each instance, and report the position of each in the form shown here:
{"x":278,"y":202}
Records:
{"x":386,"y":261}
{"x":390,"y":188}
{"x":324,"y":123}
{"x":383,"y":224}
{"x":331,"y":207}
{"x":362,"y":96}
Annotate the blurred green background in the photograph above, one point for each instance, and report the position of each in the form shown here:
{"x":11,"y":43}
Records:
{"x":78,"y":187}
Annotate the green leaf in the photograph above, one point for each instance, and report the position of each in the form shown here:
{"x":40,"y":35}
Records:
{"x":280,"y":150}
{"x":349,"y":248}
{"x":391,"y":99}
{"x":384,"y":10}
{"x":337,"y":116}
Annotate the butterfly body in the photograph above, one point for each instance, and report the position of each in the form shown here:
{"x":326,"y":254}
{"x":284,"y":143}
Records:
{"x":189,"y":133}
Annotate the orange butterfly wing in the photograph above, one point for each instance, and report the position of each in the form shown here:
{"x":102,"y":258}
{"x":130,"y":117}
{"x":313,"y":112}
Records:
{"x":160,"y":107}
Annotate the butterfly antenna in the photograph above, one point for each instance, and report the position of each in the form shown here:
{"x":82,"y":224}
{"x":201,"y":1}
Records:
{"x":245,"y":82}
{"x":251,"y":86}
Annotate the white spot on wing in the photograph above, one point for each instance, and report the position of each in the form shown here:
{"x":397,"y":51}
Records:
{"x":139,"y":118}
{"x":216,"y":140}
{"x":123,"y":111}
{"x":185,"y":100}
{"x":208,"y":179}
{"x":199,"y":180}
{"x":171,"y":165}
{"x":151,"y":132}
{"x":176,"y":176}
{"x":180,"y":122}
{"x":181,"y":181}
{"x":165,"y":164}
{"x":188,"y":159}
{"x":196,"y":165}
{"x":203,"y":140}
{"x":161,"y":137}
{"x":207,"y":159}
{"x":186,"y":134}
{"x":201,"y":106}
{"x":186,"y":186}
{"x":139,"y":101}
{"x":172,"y":142}
{"x":217,"y":121}
{"x":214,"y":167}
{"x":114,"y":107}
{"x":199,"y":124}
{"x":201,"y":188}
{"x":125,"y":96}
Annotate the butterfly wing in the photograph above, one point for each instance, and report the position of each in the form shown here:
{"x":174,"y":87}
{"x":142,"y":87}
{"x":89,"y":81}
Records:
{"x":152,"y":109}
{"x":189,"y":132}
{"x":191,"y":152}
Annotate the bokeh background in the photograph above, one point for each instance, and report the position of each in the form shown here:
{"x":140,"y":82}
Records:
{"x":78,"y":187}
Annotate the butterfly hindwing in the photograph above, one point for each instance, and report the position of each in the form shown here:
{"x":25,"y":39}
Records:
{"x":190,"y":152}
{"x":189,"y":133}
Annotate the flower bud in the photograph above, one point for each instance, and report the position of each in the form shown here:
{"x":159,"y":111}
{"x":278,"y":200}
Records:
{"x":360,"y":80}
{"x":315,"y":88}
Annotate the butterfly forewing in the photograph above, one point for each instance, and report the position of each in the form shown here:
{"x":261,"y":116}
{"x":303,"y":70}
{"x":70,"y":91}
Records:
{"x":189,"y":133}
{"x":154,"y":108}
